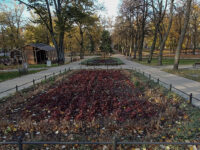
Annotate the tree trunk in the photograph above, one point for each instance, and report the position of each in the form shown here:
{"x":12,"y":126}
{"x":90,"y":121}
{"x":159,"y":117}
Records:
{"x":162,"y":45}
{"x":160,"y":57}
{"x":194,"y":40}
{"x":81,"y":44}
{"x":194,"y":47}
{"x":153,"y":45}
{"x":141,"y":45}
{"x":181,"y":39}
{"x":59,"y":47}
{"x":131,"y":46}
{"x":61,"y":55}
{"x":136,"y":46}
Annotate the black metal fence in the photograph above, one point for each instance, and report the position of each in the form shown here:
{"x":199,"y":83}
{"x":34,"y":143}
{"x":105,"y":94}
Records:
{"x":115,"y":143}
{"x":181,"y":93}
{"x":34,"y":81}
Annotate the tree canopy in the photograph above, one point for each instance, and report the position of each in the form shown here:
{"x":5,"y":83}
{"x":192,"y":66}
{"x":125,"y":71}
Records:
{"x":106,"y":42}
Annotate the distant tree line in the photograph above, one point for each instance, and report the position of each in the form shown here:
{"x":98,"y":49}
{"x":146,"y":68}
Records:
{"x":157,"y":24}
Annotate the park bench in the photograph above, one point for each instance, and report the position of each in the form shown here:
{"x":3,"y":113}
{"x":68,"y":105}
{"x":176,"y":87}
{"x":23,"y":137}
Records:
{"x":196,"y":65}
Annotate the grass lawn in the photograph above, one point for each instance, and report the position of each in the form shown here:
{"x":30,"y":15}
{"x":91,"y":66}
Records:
{"x":168,"y":61}
{"x":42,"y":65}
{"x":102,"y":61}
{"x":10,"y":75}
{"x":83,"y":107}
{"x":186,"y":73}
{"x":3,"y":67}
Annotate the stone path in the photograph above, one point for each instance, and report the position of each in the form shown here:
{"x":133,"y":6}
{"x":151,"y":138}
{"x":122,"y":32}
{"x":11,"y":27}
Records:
{"x":185,"y":85}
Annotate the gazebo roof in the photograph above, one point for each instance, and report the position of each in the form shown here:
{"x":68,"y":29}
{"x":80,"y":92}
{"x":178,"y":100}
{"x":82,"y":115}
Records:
{"x":42,"y":46}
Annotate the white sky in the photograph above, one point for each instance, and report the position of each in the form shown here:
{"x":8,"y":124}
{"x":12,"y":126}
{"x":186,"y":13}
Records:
{"x":111,"y":7}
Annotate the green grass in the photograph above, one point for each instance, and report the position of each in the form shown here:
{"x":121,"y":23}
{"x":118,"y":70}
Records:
{"x":119,"y":62}
{"x":42,"y":65}
{"x":186,"y":73}
{"x":168,"y":61}
{"x":10,"y":75}
{"x":3,"y":67}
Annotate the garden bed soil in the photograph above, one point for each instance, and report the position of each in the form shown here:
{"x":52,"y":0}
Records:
{"x":93,"y":105}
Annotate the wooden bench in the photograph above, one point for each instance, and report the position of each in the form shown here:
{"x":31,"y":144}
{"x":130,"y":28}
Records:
{"x":196,"y":65}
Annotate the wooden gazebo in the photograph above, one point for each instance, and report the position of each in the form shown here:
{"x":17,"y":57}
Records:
{"x":39,"y":53}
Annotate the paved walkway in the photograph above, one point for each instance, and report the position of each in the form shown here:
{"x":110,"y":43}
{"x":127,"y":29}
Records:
{"x":9,"y":84}
{"x":185,"y":85}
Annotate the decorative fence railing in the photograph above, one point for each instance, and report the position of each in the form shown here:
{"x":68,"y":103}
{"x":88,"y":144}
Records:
{"x":115,"y":143}
{"x":34,"y":81}
{"x":183,"y":94}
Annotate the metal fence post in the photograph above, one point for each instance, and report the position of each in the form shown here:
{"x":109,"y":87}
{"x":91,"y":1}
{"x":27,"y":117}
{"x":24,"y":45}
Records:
{"x":170,"y":87}
{"x":149,"y":77}
{"x":20,"y":143}
{"x":158,"y":80}
{"x":45,"y":77}
{"x":190,"y":98}
{"x":114,"y":143}
{"x":16,"y":88}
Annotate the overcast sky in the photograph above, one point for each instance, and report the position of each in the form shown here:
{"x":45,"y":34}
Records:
{"x":111,"y":7}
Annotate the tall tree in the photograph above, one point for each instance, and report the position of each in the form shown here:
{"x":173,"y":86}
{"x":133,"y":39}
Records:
{"x":195,"y":21}
{"x":84,"y":17}
{"x":181,"y":39}
{"x":106,"y":42}
{"x":164,"y":39}
{"x":159,"y":11}
{"x":144,"y":8}
{"x":50,"y":11}
{"x":11,"y":25}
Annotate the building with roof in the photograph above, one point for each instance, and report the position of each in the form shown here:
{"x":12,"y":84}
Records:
{"x":39,"y":53}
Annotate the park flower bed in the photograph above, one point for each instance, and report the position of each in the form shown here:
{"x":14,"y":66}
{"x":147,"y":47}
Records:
{"x":96,"y":105}
{"x":98,"y":61}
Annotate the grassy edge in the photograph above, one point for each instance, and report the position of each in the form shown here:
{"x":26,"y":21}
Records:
{"x":167,"y":61}
{"x":185,"y":73}
{"x":4,"y":76}
{"x":188,"y":130}
{"x":91,"y":59}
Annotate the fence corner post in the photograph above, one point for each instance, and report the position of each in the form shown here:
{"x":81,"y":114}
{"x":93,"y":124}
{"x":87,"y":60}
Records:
{"x":190,"y":98}
{"x":170,"y":87}
{"x":114,"y":143}
{"x":16,"y":88}
{"x":149,"y":76}
{"x":20,"y":143}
